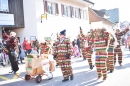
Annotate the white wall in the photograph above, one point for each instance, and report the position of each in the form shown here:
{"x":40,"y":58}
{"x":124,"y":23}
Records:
{"x":29,"y":20}
{"x":58,"y":23}
{"x":33,"y":9}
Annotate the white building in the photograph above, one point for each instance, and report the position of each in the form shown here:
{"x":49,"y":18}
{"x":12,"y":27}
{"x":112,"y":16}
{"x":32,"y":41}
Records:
{"x":61,"y":14}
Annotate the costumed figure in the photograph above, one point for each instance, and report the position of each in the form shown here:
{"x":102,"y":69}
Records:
{"x":83,"y":40}
{"x":100,"y":46}
{"x":90,"y":40}
{"x":12,"y":47}
{"x":63,"y":50}
{"x":54,"y":46}
{"x":112,"y":43}
{"x":117,"y":50}
{"x":44,"y":48}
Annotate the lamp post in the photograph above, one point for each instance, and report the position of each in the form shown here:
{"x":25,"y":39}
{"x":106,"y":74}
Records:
{"x":43,"y":16}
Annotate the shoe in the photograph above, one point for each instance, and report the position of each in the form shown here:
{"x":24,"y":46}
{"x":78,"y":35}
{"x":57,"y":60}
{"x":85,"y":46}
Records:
{"x":64,"y":80}
{"x":91,"y":67}
{"x":99,"y":77}
{"x":11,"y":71}
{"x":14,"y":72}
{"x":71,"y":77}
{"x":104,"y":78}
{"x":84,"y":58}
{"x":111,"y":71}
{"x":120,"y":64}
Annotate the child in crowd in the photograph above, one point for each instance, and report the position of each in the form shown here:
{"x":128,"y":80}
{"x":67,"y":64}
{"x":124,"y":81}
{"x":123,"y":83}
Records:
{"x":76,"y":52}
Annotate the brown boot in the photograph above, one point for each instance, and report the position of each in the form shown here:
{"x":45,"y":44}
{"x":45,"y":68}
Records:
{"x":99,"y":77}
{"x":104,"y":78}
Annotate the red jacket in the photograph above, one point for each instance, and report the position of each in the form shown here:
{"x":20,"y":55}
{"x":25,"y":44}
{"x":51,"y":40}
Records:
{"x":26,"y":45}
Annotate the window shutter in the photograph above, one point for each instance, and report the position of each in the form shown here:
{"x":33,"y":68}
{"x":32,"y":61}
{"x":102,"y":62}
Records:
{"x":62,"y":10}
{"x":45,"y":6}
{"x":57,"y":10}
{"x":71,"y":11}
{"x":79,"y":13}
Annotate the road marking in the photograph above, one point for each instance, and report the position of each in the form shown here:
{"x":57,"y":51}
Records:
{"x":15,"y":77}
{"x":4,"y":78}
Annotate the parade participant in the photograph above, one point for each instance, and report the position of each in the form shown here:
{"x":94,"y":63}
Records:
{"x":44,"y":48}
{"x":101,"y":53}
{"x":110,"y":59}
{"x":90,"y":39}
{"x":86,"y":53}
{"x":12,"y":48}
{"x":117,"y":50}
{"x":83,"y":40}
{"x":54,"y":46}
{"x":63,"y":50}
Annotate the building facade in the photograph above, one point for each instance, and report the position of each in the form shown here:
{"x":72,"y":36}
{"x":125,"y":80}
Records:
{"x":61,"y":14}
{"x":44,"y":18}
{"x":11,"y":15}
{"x":99,"y":19}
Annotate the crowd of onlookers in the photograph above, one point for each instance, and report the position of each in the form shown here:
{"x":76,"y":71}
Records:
{"x":127,"y":42}
{"x":27,"y":46}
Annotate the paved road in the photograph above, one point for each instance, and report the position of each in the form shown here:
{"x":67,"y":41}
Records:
{"x":82,"y":74}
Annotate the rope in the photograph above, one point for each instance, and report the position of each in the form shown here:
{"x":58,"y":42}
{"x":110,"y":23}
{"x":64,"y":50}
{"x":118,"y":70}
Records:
{"x":19,"y":76}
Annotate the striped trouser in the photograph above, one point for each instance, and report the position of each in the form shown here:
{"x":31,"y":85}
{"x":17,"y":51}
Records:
{"x":89,"y":56}
{"x":117,"y":51}
{"x":101,"y":66}
{"x":110,"y":61}
{"x":66,"y":68}
{"x":84,"y":52}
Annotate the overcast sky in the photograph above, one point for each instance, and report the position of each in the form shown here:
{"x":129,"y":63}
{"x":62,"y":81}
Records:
{"x":123,"y":5}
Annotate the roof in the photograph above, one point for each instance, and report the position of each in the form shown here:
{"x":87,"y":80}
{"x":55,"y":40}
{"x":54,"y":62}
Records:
{"x":89,"y":1}
{"x":113,"y":14}
{"x":99,"y":13}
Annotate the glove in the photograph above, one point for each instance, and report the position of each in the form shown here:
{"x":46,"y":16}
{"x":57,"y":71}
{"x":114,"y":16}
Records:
{"x":80,"y":28}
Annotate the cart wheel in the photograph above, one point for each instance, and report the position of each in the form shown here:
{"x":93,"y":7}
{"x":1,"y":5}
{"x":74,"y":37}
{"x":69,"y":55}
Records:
{"x":51,"y":76}
{"x":27,"y":77}
{"x":38,"y":79}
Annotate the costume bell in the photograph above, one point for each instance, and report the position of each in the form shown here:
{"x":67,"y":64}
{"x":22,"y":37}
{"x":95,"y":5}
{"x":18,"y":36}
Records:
{"x":117,"y":50}
{"x":62,"y":47}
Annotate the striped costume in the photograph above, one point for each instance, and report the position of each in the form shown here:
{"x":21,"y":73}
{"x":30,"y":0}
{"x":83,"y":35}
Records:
{"x":90,"y":39}
{"x":82,"y":44}
{"x":117,"y":50}
{"x":60,"y":50}
{"x":101,"y":54}
{"x":110,"y":59}
{"x":44,"y":49}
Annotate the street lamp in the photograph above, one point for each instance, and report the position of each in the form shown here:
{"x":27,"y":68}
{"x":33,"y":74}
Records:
{"x":43,"y":16}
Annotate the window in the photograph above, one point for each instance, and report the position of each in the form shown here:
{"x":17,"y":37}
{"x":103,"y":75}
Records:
{"x":76,"y":13}
{"x":84,"y":14}
{"x":4,"y":5}
{"x":67,"y":11}
{"x":51,"y":8}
